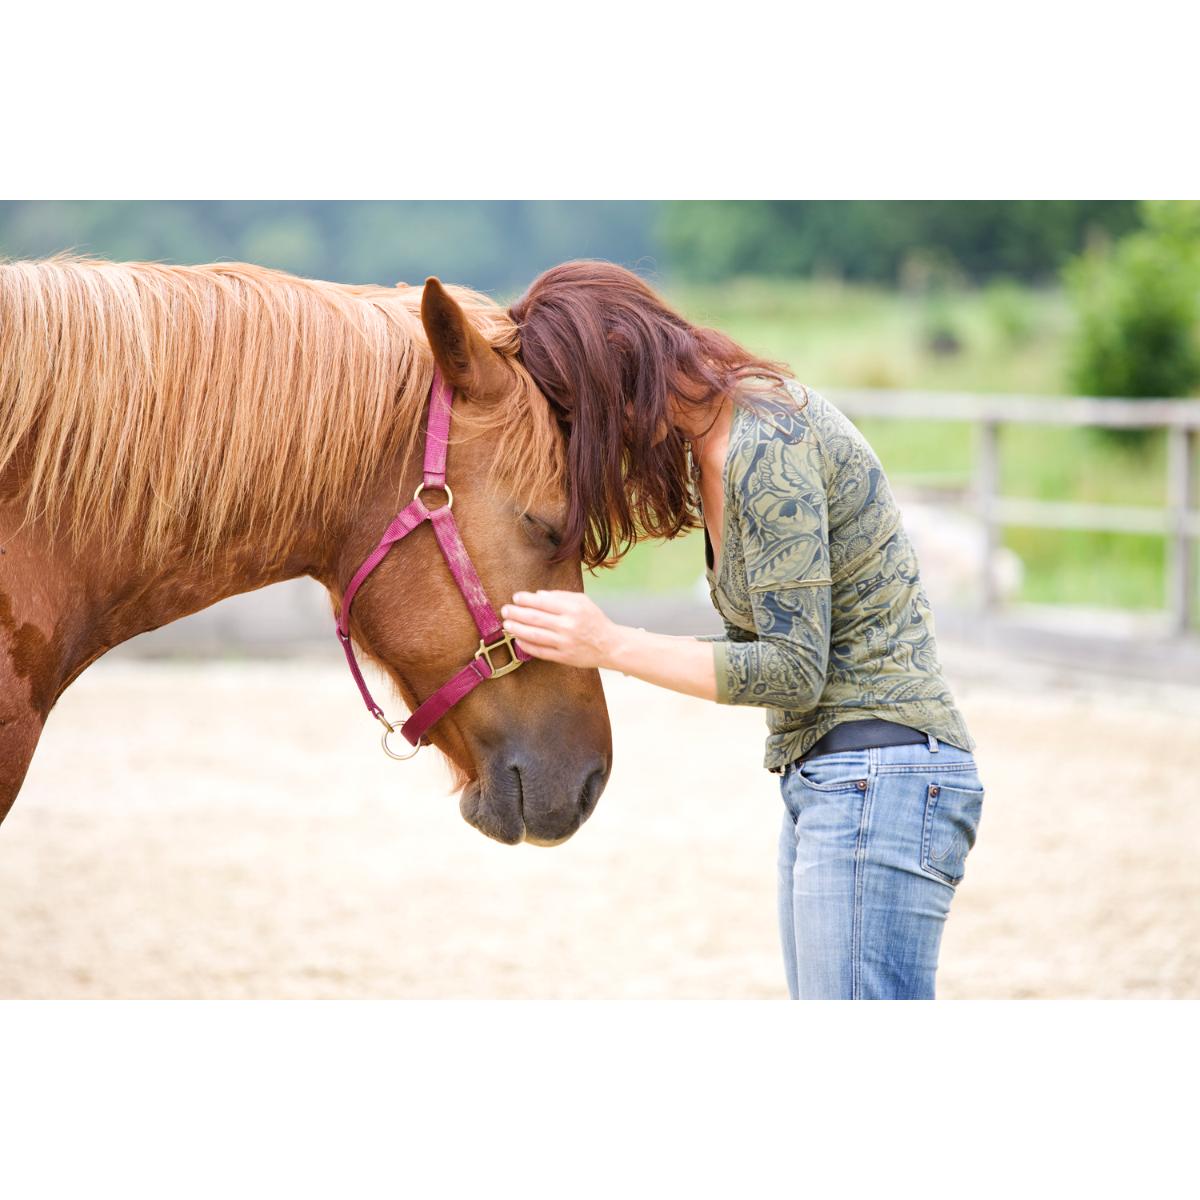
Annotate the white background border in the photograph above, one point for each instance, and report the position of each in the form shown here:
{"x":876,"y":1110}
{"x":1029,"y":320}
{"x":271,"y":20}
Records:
{"x":617,"y":101}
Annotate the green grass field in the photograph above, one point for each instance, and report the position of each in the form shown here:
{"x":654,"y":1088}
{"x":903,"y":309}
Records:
{"x":1002,"y":339}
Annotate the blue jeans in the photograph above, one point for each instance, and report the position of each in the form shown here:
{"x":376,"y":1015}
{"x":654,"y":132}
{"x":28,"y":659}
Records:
{"x":874,"y":843}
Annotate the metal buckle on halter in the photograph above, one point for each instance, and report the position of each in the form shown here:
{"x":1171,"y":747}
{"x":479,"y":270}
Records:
{"x":486,"y":650}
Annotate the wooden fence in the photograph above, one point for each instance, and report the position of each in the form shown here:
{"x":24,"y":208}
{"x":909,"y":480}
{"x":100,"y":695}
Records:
{"x":1178,"y":521}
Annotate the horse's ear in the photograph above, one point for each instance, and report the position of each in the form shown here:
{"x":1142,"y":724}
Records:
{"x":466,"y":360}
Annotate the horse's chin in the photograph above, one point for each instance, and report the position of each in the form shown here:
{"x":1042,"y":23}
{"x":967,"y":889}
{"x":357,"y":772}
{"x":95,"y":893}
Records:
{"x":534,"y":840}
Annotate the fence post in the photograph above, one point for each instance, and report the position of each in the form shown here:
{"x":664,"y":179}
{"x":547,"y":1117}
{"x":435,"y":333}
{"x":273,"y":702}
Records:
{"x":1181,"y":496}
{"x":987,"y":491}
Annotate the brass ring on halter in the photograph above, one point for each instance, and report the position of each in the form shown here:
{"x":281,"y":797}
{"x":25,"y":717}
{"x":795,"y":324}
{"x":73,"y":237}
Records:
{"x":445,"y":487}
{"x":387,"y":733}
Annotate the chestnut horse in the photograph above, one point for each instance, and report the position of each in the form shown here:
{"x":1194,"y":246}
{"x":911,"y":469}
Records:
{"x":170,"y":436}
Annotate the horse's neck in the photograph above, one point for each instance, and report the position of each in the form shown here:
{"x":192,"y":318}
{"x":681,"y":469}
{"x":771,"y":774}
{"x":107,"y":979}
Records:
{"x":64,"y":608}
{"x":147,"y":596}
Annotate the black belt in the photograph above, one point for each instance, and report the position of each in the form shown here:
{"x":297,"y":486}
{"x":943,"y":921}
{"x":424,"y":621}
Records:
{"x":862,"y":735}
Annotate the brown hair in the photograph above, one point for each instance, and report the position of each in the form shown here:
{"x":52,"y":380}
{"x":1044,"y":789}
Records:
{"x":610,"y":355}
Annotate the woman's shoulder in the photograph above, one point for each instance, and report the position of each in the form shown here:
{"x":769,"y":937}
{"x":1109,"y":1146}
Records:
{"x":774,"y":447}
{"x":796,"y":413}
{"x":795,"y":424}
{"x":780,"y":412}
{"x":791,"y":432}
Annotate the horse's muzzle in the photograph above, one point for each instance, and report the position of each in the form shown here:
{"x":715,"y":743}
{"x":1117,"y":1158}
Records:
{"x":512,"y":801}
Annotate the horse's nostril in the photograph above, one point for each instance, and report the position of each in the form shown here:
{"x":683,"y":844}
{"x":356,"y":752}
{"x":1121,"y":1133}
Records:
{"x":515,"y":768}
{"x":592,"y":787}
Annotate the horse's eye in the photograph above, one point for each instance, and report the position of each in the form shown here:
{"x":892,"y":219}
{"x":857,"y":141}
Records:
{"x":542,"y":529}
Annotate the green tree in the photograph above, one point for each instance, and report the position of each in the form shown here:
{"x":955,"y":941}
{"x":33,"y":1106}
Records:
{"x":1138,"y":304}
{"x":875,"y":239}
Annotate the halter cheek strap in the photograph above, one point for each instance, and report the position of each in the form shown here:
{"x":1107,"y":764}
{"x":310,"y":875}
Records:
{"x":494,"y":643}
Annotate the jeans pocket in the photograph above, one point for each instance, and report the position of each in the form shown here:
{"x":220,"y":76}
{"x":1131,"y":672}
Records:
{"x":951,"y":823}
{"x":845,"y":772}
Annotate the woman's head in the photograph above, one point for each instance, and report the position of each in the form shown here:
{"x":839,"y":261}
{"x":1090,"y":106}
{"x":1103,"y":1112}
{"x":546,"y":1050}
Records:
{"x":629,"y":378}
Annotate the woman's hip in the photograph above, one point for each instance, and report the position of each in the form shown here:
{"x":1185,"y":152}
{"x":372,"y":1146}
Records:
{"x":910,"y":808}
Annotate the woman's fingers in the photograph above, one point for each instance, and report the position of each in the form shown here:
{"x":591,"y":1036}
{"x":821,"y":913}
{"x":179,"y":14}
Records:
{"x":532,"y":616}
{"x":546,"y":652}
{"x":564,"y":627}
{"x":550,"y":602}
{"x":534,"y":635}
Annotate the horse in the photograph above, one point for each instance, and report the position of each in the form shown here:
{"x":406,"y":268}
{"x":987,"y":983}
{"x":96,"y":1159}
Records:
{"x":171,"y":436}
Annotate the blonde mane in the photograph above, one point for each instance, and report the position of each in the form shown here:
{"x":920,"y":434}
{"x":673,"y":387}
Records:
{"x":170,"y":408}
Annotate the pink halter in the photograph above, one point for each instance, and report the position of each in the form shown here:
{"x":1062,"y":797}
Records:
{"x":492,"y":638}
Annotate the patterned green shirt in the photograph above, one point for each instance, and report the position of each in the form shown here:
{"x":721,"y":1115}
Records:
{"x":818,"y":585}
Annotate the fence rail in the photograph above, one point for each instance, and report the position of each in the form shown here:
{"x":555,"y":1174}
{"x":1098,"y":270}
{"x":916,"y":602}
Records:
{"x":1178,"y":521}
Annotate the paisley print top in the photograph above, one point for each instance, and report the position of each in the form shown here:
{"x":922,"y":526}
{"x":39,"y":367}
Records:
{"x":818,"y":585}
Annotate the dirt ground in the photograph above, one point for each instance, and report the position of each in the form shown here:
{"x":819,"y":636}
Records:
{"x":231,"y":829}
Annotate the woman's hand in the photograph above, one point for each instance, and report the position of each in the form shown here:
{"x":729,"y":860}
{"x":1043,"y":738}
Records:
{"x":562,"y":627}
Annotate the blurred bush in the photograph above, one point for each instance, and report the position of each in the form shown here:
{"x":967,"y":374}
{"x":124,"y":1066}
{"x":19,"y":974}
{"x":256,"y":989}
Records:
{"x":1138,"y":304}
{"x":940,"y":329}
{"x":1010,"y":313}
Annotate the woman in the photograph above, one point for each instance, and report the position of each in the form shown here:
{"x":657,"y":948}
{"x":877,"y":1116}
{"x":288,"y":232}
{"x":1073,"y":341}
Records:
{"x":671,"y":426}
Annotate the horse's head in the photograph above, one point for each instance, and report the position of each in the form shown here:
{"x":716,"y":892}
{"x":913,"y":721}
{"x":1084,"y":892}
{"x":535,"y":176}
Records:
{"x":532,"y":750}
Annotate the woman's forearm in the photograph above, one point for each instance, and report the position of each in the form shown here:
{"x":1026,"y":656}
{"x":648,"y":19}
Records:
{"x":682,"y":664}
{"x":568,"y":628}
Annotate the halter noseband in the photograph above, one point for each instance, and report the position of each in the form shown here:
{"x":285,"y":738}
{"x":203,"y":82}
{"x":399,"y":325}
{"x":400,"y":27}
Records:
{"x":492,"y":638}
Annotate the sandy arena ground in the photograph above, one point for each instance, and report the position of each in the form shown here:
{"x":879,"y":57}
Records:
{"x":232,"y":830}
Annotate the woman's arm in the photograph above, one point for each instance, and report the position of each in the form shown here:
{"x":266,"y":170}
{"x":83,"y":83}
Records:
{"x":568,"y":627}
{"x":784,"y":667}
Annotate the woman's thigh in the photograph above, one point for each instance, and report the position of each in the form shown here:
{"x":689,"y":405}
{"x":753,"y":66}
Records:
{"x":881,"y":840}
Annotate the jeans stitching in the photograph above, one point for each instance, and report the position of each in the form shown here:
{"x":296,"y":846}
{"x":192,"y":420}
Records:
{"x":859,"y":856}
{"x":925,"y":768}
{"x":879,"y":768}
